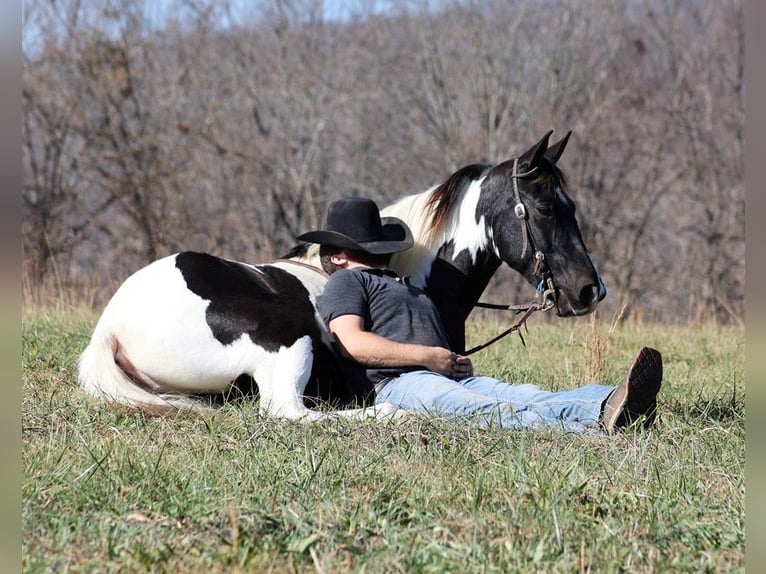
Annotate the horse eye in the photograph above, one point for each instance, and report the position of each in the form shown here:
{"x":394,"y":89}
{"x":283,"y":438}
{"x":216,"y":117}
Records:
{"x":545,"y":209}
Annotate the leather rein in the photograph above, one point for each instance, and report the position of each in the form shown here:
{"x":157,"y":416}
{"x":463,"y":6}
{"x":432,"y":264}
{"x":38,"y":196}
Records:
{"x":545,"y":294}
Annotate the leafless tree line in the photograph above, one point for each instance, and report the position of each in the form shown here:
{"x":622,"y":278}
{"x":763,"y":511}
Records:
{"x":227,"y":128}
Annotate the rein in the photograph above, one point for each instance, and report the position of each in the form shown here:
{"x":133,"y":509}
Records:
{"x":545,"y":294}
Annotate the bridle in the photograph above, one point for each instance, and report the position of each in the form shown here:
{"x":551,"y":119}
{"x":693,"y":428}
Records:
{"x":546,"y":291}
{"x":545,"y":294}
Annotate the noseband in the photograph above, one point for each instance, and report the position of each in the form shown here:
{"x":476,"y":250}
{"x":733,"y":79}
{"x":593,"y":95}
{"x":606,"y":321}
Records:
{"x":545,"y":294}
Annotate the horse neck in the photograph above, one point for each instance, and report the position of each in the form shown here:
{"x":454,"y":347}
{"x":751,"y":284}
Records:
{"x":453,"y":263}
{"x":457,"y":280}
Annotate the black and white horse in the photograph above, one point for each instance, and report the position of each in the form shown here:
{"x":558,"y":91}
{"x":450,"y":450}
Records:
{"x":192,"y":323}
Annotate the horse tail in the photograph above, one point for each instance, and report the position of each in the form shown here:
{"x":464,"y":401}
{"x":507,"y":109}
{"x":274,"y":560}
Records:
{"x":105,"y":372}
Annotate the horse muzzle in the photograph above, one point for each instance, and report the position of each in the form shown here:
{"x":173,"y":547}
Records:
{"x":583,"y":303}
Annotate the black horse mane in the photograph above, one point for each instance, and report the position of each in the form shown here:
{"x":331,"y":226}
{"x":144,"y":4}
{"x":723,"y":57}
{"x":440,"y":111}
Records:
{"x":443,"y":197}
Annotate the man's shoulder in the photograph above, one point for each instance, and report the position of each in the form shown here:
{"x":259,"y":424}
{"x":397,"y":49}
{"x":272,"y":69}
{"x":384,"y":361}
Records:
{"x":343,"y":281}
{"x":366,"y":278}
{"x":344,"y":276}
{"x":362,"y":274}
{"x":344,"y":294}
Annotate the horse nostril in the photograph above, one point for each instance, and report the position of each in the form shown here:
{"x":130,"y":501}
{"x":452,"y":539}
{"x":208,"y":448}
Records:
{"x":589,"y":295}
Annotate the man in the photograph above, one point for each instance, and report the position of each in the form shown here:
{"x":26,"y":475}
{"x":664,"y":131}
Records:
{"x":394,"y":331}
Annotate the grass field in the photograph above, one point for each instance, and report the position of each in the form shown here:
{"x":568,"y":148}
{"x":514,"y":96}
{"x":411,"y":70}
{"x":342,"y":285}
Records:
{"x":108,"y":490}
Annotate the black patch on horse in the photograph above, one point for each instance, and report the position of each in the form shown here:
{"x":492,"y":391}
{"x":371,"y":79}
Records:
{"x":456,"y":301}
{"x":337,"y":383}
{"x":270,"y":305}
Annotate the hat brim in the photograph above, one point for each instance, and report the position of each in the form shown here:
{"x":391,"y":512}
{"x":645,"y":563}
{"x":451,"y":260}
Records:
{"x":396,"y":237}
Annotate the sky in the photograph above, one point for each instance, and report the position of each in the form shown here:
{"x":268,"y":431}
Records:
{"x":157,"y":11}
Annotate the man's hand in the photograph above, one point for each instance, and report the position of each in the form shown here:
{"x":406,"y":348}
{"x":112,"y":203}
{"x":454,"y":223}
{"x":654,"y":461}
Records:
{"x":463,"y":367}
{"x":451,"y":364}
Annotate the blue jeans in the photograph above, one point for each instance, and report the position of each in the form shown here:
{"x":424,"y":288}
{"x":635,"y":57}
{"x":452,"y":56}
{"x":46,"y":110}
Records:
{"x":495,"y":402}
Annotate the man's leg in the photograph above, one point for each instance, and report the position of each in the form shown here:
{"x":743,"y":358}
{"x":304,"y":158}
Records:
{"x":427,"y":392}
{"x":582,"y":405}
{"x":590,"y":405}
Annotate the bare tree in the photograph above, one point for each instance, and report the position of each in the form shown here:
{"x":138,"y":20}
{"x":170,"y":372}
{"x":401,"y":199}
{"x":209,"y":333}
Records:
{"x":228,"y":127}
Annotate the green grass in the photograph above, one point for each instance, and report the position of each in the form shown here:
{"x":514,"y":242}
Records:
{"x":109,"y":490}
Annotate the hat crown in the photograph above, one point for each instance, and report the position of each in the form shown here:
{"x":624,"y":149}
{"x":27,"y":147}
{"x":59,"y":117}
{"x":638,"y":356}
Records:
{"x":355,"y":217}
{"x":355,"y":223}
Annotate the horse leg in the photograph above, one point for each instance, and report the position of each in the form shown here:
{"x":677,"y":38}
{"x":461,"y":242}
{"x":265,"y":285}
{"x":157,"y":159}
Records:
{"x":281,"y":377}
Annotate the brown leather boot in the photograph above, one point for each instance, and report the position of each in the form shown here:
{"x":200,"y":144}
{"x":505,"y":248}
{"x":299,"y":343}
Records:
{"x":636,"y":396}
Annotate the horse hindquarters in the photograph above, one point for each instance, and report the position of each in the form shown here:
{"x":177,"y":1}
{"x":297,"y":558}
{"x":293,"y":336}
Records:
{"x":106,"y":372}
{"x":100,"y":376}
{"x":191,"y":324}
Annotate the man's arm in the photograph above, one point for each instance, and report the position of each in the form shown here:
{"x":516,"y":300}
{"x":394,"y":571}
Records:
{"x":372,"y":350}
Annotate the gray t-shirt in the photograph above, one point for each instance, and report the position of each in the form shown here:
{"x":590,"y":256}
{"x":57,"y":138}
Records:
{"x":390,"y":308}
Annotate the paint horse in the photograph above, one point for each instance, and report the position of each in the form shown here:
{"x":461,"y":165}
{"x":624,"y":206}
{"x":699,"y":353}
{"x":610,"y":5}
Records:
{"x":193,"y":323}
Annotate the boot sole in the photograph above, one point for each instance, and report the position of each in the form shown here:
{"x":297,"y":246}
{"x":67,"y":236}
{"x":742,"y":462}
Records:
{"x":636,"y":396}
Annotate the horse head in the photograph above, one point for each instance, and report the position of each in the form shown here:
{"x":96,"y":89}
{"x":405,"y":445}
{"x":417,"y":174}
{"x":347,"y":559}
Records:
{"x":532,"y":219}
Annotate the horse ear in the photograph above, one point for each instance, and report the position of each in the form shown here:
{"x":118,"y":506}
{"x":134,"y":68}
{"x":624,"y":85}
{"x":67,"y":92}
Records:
{"x":555,"y":150}
{"x":531,"y":158}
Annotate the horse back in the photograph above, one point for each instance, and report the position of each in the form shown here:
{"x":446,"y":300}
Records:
{"x":267,"y":303}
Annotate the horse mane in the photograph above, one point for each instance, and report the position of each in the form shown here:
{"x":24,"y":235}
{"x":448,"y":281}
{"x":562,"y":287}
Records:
{"x":307,"y":253}
{"x":556,"y":171}
{"x":428,"y":212}
{"x":297,"y":252}
{"x":443,"y":197}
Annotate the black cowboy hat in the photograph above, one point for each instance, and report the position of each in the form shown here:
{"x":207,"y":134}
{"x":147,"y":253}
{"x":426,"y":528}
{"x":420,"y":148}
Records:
{"x":355,"y":223}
